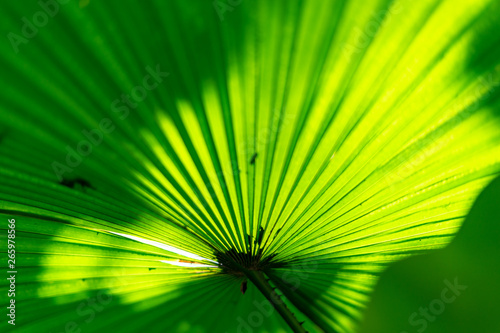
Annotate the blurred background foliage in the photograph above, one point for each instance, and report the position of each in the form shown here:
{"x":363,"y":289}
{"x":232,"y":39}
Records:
{"x":334,"y":136}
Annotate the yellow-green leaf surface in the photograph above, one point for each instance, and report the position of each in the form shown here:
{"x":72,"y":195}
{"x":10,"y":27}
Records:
{"x":316,"y":141}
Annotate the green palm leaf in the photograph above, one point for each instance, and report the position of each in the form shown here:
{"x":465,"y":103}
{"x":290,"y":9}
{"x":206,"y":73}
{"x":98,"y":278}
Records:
{"x":450,"y":290}
{"x":308,"y":143}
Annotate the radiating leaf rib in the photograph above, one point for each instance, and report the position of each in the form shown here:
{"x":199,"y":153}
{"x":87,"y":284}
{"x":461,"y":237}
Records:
{"x":329,"y":138}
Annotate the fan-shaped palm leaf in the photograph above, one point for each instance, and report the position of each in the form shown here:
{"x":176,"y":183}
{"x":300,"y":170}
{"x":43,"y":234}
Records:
{"x":310,"y":143}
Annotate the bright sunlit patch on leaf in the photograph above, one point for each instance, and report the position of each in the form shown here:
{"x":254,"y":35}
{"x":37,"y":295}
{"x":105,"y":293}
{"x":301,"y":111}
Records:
{"x":163,"y":246}
{"x":186,"y":264}
{"x":312,"y":143}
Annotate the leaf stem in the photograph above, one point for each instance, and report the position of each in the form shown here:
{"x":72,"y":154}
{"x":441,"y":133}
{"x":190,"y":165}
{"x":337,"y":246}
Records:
{"x":259,"y":280}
